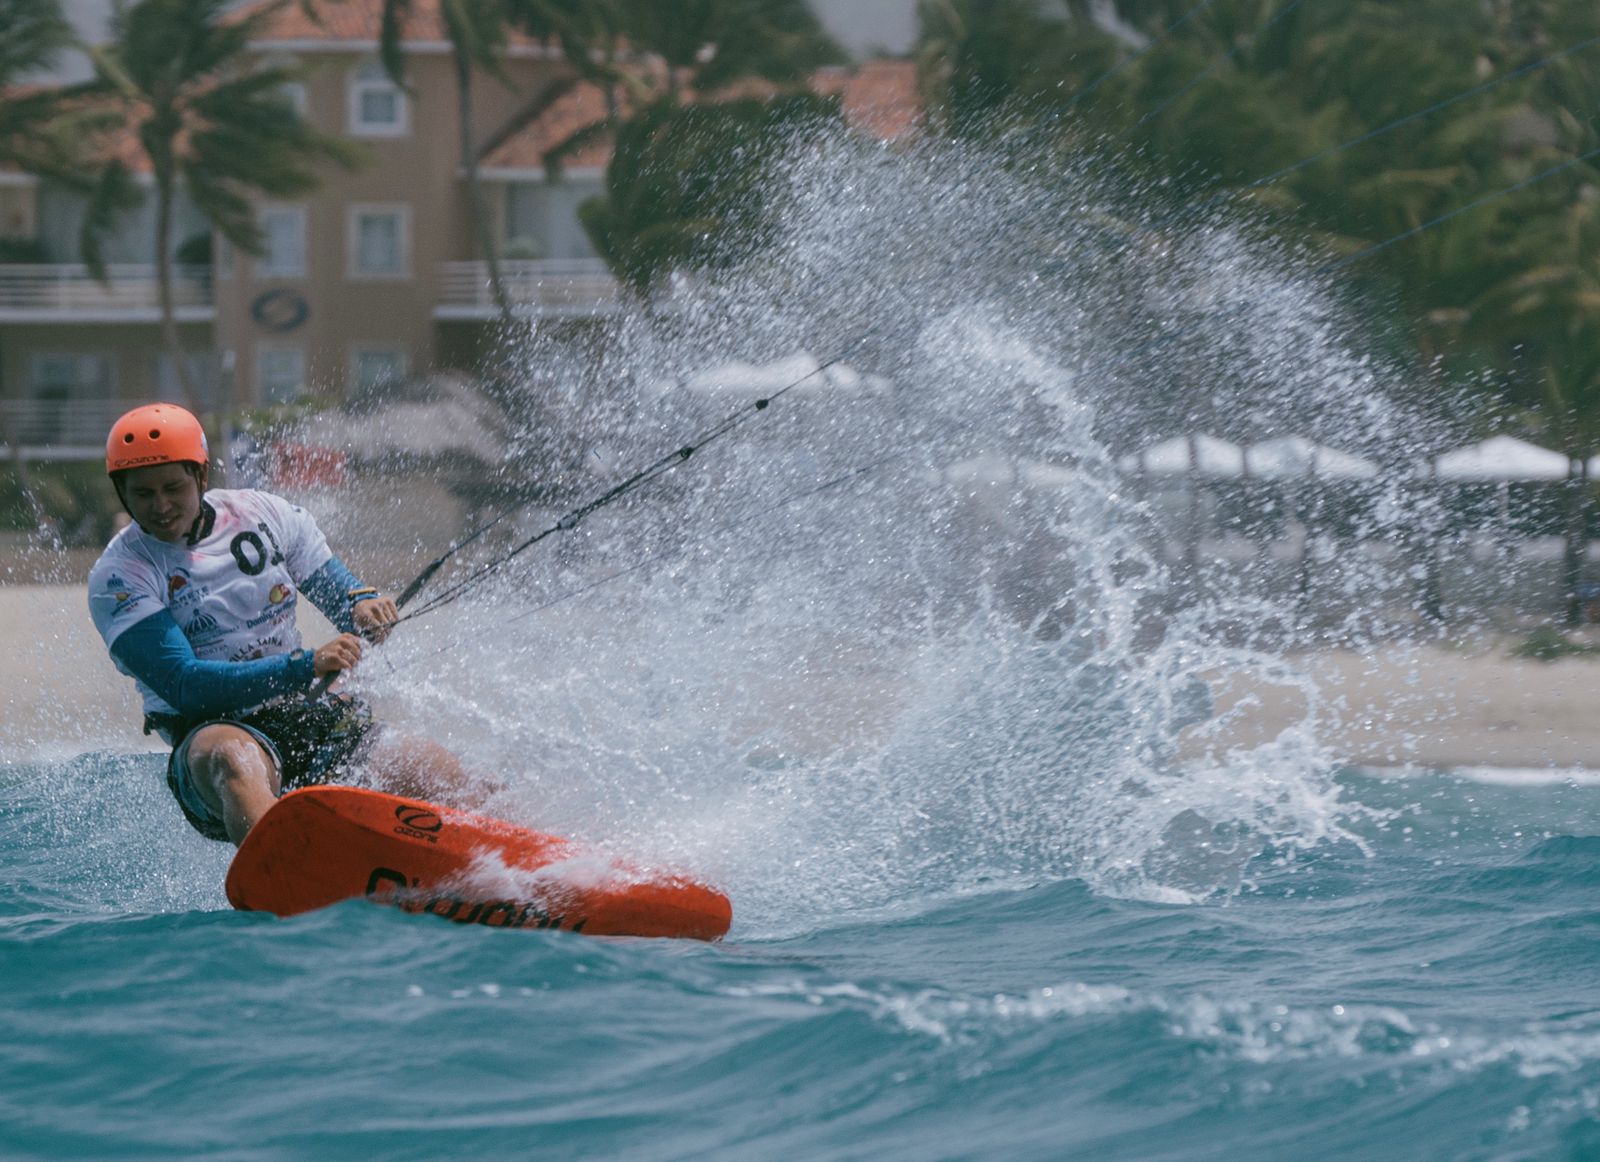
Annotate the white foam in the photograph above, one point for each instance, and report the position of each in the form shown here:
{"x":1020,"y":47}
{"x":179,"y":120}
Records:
{"x":1494,"y":776}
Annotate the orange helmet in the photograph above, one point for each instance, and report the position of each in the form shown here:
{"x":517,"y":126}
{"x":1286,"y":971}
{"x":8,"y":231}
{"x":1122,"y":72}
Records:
{"x":157,"y":433}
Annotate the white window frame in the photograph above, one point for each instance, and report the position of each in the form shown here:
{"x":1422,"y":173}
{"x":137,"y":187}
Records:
{"x":264,"y":351}
{"x":263,"y":269}
{"x":353,"y":215}
{"x":402,"y":361}
{"x":369,"y":77}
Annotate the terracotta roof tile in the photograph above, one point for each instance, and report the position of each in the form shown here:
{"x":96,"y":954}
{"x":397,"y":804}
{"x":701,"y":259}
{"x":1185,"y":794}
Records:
{"x":120,"y":143}
{"x":581,"y":105}
{"x":879,"y":98}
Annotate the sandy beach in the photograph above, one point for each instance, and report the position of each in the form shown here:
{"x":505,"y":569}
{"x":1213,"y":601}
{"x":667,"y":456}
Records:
{"x":1471,"y":704}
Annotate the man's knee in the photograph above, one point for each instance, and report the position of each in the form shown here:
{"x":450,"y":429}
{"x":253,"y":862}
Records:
{"x":222,"y":756}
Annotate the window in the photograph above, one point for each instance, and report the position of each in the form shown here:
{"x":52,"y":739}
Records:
{"x":379,"y":241}
{"x":78,"y":376}
{"x":59,"y":385}
{"x":375,"y":366}
{"x":280,"y":374}
{"x":283,"y":230}
{"x":294,"y":92}
{"x":542,"y":219}
{"x":377,"y":105}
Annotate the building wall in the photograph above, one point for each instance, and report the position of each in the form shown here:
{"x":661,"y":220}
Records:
{"x":330,"y":313}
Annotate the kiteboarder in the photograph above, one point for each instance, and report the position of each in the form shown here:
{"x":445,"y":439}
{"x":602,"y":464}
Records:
{"x":196,"y":602}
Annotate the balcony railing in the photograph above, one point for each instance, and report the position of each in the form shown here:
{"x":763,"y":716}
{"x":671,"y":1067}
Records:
{"x":59,"y":428}
{"x":578,"y":286}
{"x":68,"y":292}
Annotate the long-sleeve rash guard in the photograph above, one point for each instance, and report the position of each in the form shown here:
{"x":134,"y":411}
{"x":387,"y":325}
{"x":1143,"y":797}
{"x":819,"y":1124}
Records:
{"x":158,"y":655}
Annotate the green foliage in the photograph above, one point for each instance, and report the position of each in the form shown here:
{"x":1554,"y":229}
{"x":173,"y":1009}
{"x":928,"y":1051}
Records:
{"x":36,"y":32}
{"x":50,"y":132}
{"x":1547,"y":644}
{"x":179,"y":73}
{"x":194,"y":250}
{"x":685,"y":184}
{"x":75,"y":495}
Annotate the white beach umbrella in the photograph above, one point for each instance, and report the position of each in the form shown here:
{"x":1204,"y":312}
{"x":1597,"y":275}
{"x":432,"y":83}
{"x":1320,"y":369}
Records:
{"x":801,"y":370}
{"x":1211,"y":457}
{"x":1285,"y":457}
{"x":1502,"y":458}
{"x":453,"y":417}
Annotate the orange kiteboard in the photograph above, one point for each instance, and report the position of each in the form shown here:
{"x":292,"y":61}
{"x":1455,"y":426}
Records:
{"x":320,"y":845}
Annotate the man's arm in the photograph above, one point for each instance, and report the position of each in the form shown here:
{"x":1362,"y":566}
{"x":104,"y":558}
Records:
{"x":156,"y":652}
{"x":336,"y":591}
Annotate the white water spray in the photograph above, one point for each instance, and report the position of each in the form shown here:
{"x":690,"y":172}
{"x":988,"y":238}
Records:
{"x":966,"y":664}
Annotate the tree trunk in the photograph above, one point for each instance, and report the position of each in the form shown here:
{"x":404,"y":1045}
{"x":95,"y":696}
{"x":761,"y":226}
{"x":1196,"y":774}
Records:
{"x":169,"y":322}
{"x":469,"y":165}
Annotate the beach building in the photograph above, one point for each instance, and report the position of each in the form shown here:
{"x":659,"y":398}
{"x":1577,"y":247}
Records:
{"x":373,"y":276}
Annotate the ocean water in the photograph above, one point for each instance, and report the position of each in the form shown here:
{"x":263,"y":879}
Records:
{"x":899,"y":664}
{"x":1431,"y":997}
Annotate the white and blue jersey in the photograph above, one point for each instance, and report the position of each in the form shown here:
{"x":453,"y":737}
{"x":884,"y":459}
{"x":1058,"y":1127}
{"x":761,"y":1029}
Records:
{"x":206,"y":626}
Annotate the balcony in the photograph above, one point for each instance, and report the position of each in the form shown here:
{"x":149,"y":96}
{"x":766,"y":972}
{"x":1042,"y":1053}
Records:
{"x":543,"y":288}
{"x":68,"y":293}
{"x":59,"y":429}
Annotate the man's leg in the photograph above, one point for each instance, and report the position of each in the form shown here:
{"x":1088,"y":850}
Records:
{"x":404,"y":764}
{"x":235,"y":776}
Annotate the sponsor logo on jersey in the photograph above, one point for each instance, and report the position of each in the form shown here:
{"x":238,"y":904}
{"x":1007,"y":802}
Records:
{"x":261,"y":648}
{"x":122,"y":594}
{"x":271,"y":613}
{"x":279,"y":594}
{"x":182,"y":591}
{"x":202,"y":625}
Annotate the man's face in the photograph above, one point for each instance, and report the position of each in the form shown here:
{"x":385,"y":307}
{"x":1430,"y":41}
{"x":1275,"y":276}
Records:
{"x":164,"y":499}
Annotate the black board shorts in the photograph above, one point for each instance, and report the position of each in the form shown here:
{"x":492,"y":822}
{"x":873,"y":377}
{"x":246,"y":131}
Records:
{"x":311,"y":741}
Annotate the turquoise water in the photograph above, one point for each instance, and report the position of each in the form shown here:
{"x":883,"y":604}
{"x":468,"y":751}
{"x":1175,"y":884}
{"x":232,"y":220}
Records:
{"x":1435,"y":998}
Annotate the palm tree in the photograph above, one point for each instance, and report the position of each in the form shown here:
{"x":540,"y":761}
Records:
{"x":685,"y":176}
{"x":46,"y":132}
{"x":208,"y":121}
{"x":684,"y":184}
{"x":982,"y":59}
{"x":478,"y":32}
{"x":53,"y":132}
